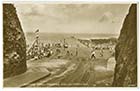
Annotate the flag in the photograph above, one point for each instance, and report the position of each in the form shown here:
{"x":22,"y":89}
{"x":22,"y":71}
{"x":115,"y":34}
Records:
{"x":37,"y":31}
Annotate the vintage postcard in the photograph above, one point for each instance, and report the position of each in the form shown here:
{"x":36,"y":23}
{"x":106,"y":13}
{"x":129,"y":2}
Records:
{"x":69,"y":44}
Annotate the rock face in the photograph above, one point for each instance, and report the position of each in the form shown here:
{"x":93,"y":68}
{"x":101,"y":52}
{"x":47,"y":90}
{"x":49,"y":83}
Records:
{"x":14,"y":50}
{"x":126,"y":52}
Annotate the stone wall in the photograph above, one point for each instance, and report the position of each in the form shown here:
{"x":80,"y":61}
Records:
{"x":14,"y":50}
{"x":126,"y":51}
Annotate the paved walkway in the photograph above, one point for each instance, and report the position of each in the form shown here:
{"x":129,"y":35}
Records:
{"x":25,"y":78}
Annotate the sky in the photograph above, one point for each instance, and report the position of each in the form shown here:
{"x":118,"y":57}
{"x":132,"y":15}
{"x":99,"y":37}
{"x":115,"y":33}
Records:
{"x":72,"y":18}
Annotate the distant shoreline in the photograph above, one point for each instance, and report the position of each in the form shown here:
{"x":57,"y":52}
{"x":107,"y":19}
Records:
{"x":75,"y":33}
{"x":49,"y":37}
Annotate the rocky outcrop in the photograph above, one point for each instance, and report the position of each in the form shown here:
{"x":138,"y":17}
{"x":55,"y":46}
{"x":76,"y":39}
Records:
{"x":126,"y":52}
{"x":14,"y":50}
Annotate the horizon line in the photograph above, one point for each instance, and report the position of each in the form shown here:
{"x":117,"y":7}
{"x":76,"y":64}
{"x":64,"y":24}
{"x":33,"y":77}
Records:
{"x":75,"y":33}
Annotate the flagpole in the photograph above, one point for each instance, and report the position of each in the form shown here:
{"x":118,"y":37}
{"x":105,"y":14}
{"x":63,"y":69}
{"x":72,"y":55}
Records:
{"x":37,"y":41}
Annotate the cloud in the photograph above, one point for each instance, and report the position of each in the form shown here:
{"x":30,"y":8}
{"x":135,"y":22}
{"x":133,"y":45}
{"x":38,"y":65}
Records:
{"x":92,"y":18}
{"x":107,"y":17}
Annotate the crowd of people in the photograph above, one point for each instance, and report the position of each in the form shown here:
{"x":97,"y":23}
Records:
{"x":99,"y":47}
{"x":40,"y":50}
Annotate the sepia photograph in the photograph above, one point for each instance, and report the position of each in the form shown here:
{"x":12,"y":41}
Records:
{"x":69,"y":44}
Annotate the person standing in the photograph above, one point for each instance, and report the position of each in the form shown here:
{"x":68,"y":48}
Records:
{"x":101,"y":52}
{"x":76,"y":53}
{"x":93,"y":54}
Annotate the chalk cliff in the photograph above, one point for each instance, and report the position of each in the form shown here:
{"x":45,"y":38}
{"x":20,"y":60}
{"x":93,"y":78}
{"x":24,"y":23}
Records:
{"x":14,"y":50}
{"x":126,"y":51}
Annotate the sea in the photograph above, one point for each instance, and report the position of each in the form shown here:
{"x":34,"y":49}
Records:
{"x":55,"y":37}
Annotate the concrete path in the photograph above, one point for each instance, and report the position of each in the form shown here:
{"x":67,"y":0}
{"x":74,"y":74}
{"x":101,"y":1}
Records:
{"x":24,"y":79}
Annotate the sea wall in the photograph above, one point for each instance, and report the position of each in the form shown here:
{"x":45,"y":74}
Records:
{"x":14,"y":44}
{"x":126,"y":51}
